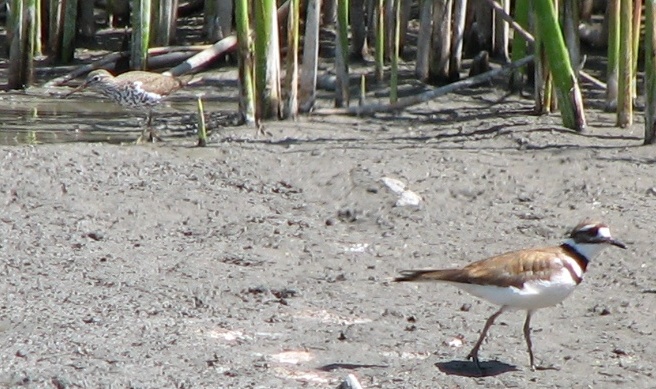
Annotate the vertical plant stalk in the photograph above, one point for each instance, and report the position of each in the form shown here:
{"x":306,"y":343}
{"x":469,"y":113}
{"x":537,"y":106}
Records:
{"x":21,"y":21}
{"x":68,"y":32}
{"x":550,"y":97}
{"x":211,"y":19}
{"x":246,"y":85}
{"x":167,"y":16}
{"x":17,"y":35}
{"x":267,"y":57}
{"x":329,"y":12}
{"x":406,"y":9}
{"x":637,"y":14}
{"x":308,"y":87}
{"x":612,"y":71}
{"x":291,"y":106}
{"x":380,"y":40}
{"x":624,"y":86}
{"x":570,"y":23}
{"x":457,"y":38}
{"x":519,"y":46}
{"x":484,"y":23}
{"x":225,"y":10}
{"x":10,"y":21}
{"x":358,"y":29}
{"x":140,"y":34}
{"x":86,"y":19}
{"x":156,"y":16}
{"x":542,"y":90}
{"x":341,"y":56}
{"x":38,"y":46}
{"x":202,"y":130}
{"x":31,"y":20}
{"x":394,"y":76}
{"x":501,"y":32}
{"x":363,"y":91}
{"x":650,"y":72}
{"x":217,"y":19}
{"x":424,"y":40}
{"x":55,"y":27}
{"x":117,"y":9}
{"x":441,"y":41}
{"x":389,"y":31}
{"x":565,"y":83}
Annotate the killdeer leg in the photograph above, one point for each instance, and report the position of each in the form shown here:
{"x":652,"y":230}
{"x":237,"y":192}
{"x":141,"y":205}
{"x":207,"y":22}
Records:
{"x":527,"y":336}
{"x":529,"y":344}
{"x":473,"y":354}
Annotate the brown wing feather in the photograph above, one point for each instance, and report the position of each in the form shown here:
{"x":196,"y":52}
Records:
{"x":153,"y":82}
{"x":510,"y":269}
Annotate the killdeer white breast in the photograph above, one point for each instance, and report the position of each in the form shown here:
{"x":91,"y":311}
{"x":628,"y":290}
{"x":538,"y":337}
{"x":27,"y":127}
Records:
{"x":527,"y":279}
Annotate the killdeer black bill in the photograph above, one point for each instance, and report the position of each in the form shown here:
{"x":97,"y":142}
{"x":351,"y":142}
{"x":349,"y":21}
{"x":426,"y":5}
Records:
{"x":526,"y":279}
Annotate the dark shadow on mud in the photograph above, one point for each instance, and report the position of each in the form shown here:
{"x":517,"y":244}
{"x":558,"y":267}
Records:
{"x":633,"y":161}
{"x":452,"y":137}
{"x":470,"y":369}
{"x":348,"y":366}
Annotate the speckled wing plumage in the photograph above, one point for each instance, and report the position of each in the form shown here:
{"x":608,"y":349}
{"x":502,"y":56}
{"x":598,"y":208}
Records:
{"x":151,"y":82}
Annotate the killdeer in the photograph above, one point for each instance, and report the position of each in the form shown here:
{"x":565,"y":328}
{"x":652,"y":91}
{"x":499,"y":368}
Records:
{"x":526,"y":279}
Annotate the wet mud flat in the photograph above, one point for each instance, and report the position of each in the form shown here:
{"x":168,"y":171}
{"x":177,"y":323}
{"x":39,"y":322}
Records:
{"x":265,"y":262}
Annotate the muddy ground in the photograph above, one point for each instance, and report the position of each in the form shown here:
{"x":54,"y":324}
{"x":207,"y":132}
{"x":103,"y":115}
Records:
{"x":265,"y":261}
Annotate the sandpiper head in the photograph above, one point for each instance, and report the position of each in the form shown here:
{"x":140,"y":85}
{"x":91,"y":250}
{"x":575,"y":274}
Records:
{"x":95,"y":78}
{"x":593,"y":232}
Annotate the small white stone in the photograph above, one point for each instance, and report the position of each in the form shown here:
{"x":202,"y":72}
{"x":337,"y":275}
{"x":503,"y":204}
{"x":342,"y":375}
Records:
{"x":394,"y":185}
{"x":408,"y":198}
{"x":455,"y":342}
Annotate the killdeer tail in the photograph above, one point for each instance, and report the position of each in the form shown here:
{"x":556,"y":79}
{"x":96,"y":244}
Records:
{"x":429,"y":275}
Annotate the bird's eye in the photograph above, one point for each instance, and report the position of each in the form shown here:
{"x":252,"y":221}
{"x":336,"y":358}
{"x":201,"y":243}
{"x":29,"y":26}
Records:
{"x":96,"y":78}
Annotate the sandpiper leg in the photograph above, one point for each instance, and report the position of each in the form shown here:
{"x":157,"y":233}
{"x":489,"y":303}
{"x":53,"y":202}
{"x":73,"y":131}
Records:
{"x":473,"y":354}
{"x":152,"y":133}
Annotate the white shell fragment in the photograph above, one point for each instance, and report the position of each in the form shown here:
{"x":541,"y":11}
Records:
{"x":455,"y":342}
{"x":394,"y":185}
{"x":406,"y":196}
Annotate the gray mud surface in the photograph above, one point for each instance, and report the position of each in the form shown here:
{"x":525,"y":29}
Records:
{"x":265,"y":262}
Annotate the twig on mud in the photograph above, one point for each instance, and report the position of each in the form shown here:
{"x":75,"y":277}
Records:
{"x":427,"y":96}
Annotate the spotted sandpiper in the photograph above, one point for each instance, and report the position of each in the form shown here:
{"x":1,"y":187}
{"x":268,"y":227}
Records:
{"x":134,"y":89}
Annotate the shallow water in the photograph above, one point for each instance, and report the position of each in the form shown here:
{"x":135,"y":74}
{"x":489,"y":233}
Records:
{"x":42,"y":116}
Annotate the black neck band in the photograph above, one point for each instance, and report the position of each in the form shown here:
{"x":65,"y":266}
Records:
{"x":578,"y":257}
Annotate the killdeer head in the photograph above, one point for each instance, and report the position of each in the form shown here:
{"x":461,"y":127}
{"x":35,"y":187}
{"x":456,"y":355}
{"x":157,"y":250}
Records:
{"x":589,"y":238}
